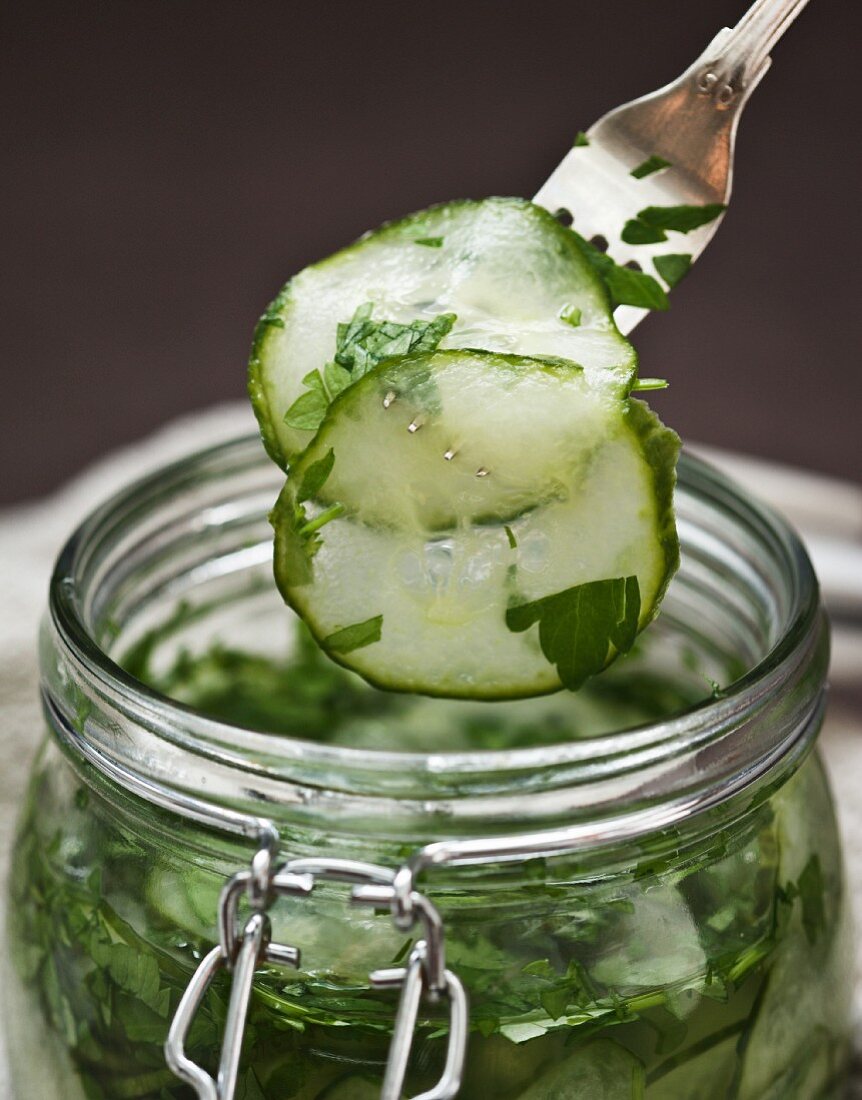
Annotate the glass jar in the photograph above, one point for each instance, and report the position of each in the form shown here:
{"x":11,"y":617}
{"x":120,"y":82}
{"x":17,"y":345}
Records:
{"x":639,"y":885}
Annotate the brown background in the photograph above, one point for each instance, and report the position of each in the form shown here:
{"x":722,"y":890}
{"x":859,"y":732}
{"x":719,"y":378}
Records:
{"x":168,"y":163}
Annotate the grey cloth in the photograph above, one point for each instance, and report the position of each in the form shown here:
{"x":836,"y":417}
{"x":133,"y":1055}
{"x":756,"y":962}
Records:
{"x":32,"y":534}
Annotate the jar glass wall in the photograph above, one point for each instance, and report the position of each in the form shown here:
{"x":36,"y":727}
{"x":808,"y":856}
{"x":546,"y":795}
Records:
{"x":693,"y":943}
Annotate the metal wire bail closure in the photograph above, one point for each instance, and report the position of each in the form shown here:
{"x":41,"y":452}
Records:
{"x":241,"y":950}
{"x":426,"y":973}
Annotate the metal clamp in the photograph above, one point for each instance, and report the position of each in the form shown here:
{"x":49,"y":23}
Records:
{"x":242,"y":947}
{"x":240,"y":951}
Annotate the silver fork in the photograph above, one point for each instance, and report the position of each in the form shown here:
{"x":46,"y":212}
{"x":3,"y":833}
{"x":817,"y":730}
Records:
{"x":691,"y":124}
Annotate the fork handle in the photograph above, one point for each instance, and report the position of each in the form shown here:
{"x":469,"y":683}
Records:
{"x":743,"y":52}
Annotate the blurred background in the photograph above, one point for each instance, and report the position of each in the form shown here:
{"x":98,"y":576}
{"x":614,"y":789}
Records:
{"x":168,"y":164}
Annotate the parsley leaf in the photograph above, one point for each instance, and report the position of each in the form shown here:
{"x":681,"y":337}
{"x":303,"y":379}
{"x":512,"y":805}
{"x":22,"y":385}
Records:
{"x":315,"y":477}
{"x":578,"y":626}
{"x":571,"y":315}
{"x":810,"y":889}
{"x":356,"y":636}
{"x":634,"y":288}
{"x":625,"y":286}
{"x":637,"y":232}
{"x":650,"y":165}
{"x":320,"y":520}
{"x":680,"y":218}
{"x":309,"y":408}
{"x":581,"y":139}
{"x":362,"y":343}
{"x":650,"y":226}
{"x":673,"y":267}
{"x":430,"y":242}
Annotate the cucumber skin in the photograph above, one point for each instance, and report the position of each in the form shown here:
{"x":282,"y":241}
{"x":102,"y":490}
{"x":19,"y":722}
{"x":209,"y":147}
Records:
{"x":270,"y":319}
{"x":660,"y":446}
{"x":273,"y":317}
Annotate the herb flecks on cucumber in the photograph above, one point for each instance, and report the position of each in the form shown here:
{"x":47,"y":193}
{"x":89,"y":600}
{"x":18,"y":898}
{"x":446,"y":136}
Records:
{"x":498,"y":500}
{"x":361,"y":344}
{"x":581,"y":628}
{"x":472,"y":484}
{"x":505,"y":270}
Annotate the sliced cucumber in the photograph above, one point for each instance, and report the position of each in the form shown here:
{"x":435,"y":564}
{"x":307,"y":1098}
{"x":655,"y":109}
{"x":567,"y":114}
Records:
{"x":351,"y":1088}
{"x":793,"y":1048}
{"x":552,"y":485}
{"x":515,"y":279}
{"x":602,"y":1070}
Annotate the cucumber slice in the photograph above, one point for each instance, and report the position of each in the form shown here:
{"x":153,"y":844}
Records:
{"x":602,"y":1070}
{"x":793,"y":1048}
{"x":351,"y":1088}
{"x":555,"y":485}
{"x":516,"y":280}
{"x":706,"y":1075}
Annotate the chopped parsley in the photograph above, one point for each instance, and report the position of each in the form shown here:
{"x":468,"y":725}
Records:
{"x":361,"y":344}
{"x":650,"y":165}
{"x":673,"y":267}
{"x":581,"y":140}
{"x":578,"y":627}
{"x":634,"y":288}
{"x":356,"y":636}
{"x":642,"y":385}
{"x":682,"y":219}
{"x":320,"y":520}
{"x":637,"y":232}
{"x":810,"y":889}
{"x":430,"y":242}
{"x":106,"y":978}
{"x":653,"y":222}
{"x":625,"y":286}
{"x":315,"y":477}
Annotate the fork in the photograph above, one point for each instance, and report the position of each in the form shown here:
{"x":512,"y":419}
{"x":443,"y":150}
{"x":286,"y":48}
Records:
{"x":679,"y":138}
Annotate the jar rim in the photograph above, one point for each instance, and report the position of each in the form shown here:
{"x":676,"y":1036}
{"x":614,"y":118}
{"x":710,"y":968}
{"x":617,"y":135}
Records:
{"x":697,"y":728}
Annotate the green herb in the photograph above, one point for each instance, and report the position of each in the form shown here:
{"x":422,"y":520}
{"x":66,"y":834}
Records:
{"x":579,"y":626}
{"x":356,"y":636}
{"x":810,"y":888}
{"x":315,"y":477}
{"x":430,"y":242}
{"x":643,"y":385}
{"x":321,"y":520}
{"x":581,"y":139}
{"x":673,"y":267}
{"x":309,"y":409}
{"x":625,"y":286}
{"x":637,"y":232}
{"x":681,"y":219}
{"x":510,"y":535}
{"x":634,"y":288}
{"x":361,"y":344}
{"x":650,"y":165}
{"x":571,"y":315}
{"x":652,"y":223}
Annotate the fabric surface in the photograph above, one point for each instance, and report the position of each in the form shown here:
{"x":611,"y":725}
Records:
{"x":31,"y":536}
